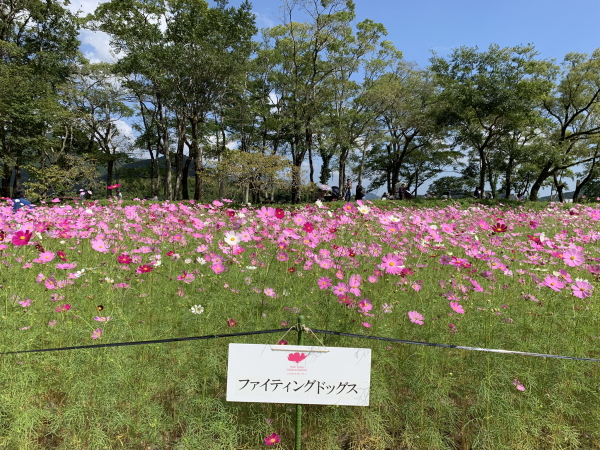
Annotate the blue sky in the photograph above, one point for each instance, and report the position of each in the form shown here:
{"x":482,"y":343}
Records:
{"x":417,"y":27}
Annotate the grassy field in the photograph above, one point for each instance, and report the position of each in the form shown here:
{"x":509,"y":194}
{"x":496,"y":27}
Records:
{"x":510,"y":276}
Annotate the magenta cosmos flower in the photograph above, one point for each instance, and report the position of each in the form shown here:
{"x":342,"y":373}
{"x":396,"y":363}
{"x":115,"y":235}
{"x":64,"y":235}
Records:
{"x":21,"y":237}
{"x":391,"y":264}
{"x":144,"y":269}
{"x":272,"y":439}
{"x":415,"y":317}
{"x":124,"y":259}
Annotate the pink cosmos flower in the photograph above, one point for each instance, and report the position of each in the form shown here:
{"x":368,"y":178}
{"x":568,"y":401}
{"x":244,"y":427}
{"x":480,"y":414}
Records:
{"x":582,"y":289}
{"x":415,"y":317}
{"x":50,"y":283}
{"x":231,"y":323}
{"x":52,"y":323}
{"x":99,"y":246}
{"x":476,"y":286}
{"x":282,"y":256}
{"x":270,"y":292}
{"x":102,"y":319}
{"x":391,"y":264}
{"x":326,"y":263}
{"x":96,"y":334}
{"x":553,"y":283}
{"x":366,"y":324}
{"x":186,"y":277}
{"x":416,"y":286}
{"x":457,"y":307}
{"x":573,"y":258}
{"x":45,"y":257}
{"x":518,"y":385}
{"x":218,"y":268}
{"x":372,"y":279}
{"x":340,"y":289}
{"x":365,"y":304}
{"x":448,"y":228}
{"x":25,"y":303}
{"x":324,"y":283}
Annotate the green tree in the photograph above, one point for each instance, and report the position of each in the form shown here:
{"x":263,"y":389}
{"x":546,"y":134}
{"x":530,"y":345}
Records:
{"x":299,"y":54}
{"x":573,"y":108}
{"x":404,"y":102}
{"x":38,"y":49}
{"x":487,"y":94}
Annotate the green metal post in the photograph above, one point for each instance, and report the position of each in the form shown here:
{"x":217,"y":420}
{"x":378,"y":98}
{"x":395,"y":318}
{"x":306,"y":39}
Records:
{"x":299,"y":407}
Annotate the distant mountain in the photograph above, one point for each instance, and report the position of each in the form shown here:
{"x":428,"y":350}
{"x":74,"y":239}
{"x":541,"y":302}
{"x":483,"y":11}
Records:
{"x":566,"y":195}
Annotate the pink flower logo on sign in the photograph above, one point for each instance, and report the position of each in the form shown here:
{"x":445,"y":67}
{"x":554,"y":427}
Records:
{"x":296,"y":357}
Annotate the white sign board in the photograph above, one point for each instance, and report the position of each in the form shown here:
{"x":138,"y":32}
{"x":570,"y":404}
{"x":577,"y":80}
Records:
{"x":299,"y":374}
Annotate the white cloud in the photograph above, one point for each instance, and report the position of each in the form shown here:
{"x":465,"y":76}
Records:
{"x":96,"y":46}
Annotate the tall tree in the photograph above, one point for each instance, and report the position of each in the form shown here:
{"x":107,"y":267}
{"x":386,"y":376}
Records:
{"x":38,"y":49}
{"x":302,"y":68}
{"x":486,"y":94}
{"x":404,"y":102}
{"x":99,"y":98}
{"x":573,"y":107}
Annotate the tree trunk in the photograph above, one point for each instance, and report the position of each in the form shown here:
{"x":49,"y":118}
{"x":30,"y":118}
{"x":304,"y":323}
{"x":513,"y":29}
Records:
{"x":168,"y":175}
{"x":185,"y":194}
{"x":181,"y":129}
{"x":361,"y":167}
{"x":559,"y":188}
{"x":110,"y":165}
{"x":309,"y":142}
{"x":583,"y":182}
{"x":482,"y":170}
{"x":537,"y":184}
{"x":198,"y":159}
{"x":508,"y":176}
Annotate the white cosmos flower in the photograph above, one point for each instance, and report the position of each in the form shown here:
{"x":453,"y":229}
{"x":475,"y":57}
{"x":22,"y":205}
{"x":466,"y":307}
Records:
{"x":395,"y":219}
{"x":251,"y":267}
{"x":232,"y":238}
{"x":364,"y":209}
{"x":200,"y":260}
{"x":319,"y":203}
{"x":187,"y":261}
{"x":197,"y":309}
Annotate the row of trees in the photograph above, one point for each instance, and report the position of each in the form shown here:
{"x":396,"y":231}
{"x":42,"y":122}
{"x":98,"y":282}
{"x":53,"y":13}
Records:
{"x":214,"y":102}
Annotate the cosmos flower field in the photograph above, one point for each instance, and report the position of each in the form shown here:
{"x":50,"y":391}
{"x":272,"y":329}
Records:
{"x":484,"y":276}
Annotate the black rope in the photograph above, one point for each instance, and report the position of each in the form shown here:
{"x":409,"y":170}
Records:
{"x":155,"y":341}
{"x":460,"y":347}
{"x":279,"y":330}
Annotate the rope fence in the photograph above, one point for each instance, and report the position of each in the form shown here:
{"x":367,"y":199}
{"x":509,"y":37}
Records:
{"x":280,"y":330}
